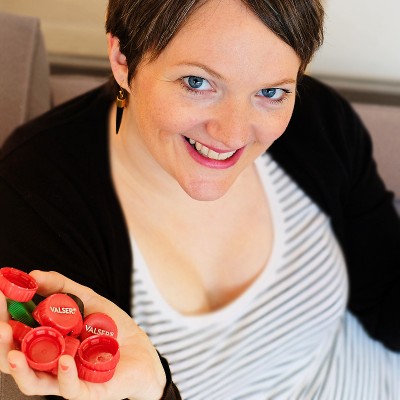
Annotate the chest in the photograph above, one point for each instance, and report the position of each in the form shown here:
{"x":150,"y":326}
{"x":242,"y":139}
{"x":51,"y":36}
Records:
{"x":207,"y":260}
{"x":272,"y":337}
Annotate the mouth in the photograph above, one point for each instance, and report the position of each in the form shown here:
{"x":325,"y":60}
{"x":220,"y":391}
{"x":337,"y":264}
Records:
{"x":209,"y":153}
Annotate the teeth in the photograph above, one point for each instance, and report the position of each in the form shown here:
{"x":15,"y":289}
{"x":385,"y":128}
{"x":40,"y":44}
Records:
{"x":213,"y":154}
{"x":198,"y":146}
{"x":206,"y":152}
{"x":224,"y":156}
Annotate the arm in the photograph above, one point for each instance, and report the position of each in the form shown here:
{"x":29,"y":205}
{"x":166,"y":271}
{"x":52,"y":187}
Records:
{"x":140,"y":374}
{"x":372,"y":244}
{"x":28,"y":241}
{"x":328,"y":151}
{"x":58,"y":210}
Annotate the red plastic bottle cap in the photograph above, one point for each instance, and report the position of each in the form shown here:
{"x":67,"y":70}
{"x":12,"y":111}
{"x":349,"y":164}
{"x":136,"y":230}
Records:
{"x":90,"y":375}
{"x":77,"y":329}
{"x":78,"y":301}
{"x":71,"y":347}
{"x":98,"y":324}
{"x":99,"y":353}
{"x":58,"y":311}
{"x":17,"y":285}
{"x":43,"y":347}
{"x":20,"y":330}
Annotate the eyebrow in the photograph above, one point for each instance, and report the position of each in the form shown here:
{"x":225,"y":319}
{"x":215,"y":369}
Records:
{"x":204,"y":67}
{"x":215,"y":74}
{"x":284,"y":82}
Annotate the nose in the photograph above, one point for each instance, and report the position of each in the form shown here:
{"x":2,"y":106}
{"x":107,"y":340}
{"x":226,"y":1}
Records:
{"x":232,"y":123}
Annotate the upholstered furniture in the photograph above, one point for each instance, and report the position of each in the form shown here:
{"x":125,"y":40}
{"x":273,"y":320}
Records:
{"x":24,"y":72}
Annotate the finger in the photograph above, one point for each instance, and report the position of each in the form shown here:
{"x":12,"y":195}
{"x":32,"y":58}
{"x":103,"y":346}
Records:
{"x":29,"y":381}
{"x":4,"y":316}
{"x":6,"y":344}
{"x":54,"y":282}
{"x":70,"y":385}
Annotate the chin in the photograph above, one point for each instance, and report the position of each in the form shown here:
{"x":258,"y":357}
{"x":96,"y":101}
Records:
{"x":205,"y":191}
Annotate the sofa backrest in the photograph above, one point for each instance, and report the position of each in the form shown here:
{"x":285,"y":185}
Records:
{"x":383,"y":123}
{"x":24,"y":72}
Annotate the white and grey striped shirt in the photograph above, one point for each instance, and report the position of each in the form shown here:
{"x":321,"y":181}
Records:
{"x":289,"y":335}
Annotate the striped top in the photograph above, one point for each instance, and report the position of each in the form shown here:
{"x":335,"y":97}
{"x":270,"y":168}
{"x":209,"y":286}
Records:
{"x":288,"y":336}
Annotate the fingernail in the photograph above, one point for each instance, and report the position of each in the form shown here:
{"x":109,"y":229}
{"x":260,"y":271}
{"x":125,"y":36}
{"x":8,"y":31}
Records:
{"x":64,"y":367}
{"x":12,"y":365}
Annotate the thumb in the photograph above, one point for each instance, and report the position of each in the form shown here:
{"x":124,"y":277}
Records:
{"x":54,"y":282}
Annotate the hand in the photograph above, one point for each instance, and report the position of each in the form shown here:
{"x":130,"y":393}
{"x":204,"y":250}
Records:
{"x":139,"y":373}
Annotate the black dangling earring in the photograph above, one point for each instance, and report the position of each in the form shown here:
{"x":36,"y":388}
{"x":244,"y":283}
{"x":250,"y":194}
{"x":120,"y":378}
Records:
{"x":121,"y":102}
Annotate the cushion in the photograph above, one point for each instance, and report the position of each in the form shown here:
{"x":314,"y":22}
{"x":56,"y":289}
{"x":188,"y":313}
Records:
{"x":383,"y":122}
{"x":24,"y":72}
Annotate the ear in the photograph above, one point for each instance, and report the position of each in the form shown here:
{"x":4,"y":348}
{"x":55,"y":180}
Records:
{"x":118,"y":62}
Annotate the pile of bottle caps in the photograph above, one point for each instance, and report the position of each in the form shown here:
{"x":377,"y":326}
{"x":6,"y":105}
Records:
{"x":44,"y":328}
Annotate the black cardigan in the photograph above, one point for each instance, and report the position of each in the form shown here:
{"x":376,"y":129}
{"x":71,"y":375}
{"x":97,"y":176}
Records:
{"x":59,"y":210}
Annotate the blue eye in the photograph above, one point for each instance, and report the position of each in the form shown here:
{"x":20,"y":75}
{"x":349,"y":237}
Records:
{"x":272,"y":93}
{"x":196,"y":83}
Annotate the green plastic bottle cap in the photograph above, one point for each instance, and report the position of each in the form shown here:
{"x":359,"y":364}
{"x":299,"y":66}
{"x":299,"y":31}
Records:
{"x":30,"y":305}
{"x":19,"y":312}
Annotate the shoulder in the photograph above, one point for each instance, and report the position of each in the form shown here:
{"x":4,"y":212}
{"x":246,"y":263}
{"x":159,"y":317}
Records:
{"x":56,"y":199}
{"x":59,"y":158}
{"x":321,"y":105}
{"x":325,"y":144}
{"x":323,"y":120}
{"x":66,"y":119}
{"x":61,"y":139}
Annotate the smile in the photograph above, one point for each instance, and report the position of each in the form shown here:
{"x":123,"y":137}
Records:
{"x":206,"y":152}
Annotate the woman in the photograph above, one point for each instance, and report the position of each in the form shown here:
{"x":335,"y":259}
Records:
{"x":257,"y":274}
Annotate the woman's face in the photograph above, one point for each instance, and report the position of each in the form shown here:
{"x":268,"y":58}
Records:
{"x":215,"y":99}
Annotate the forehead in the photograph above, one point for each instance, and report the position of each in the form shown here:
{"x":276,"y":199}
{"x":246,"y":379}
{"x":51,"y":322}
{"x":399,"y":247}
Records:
{"x":226,"y":33}
{"x":218,"y":20}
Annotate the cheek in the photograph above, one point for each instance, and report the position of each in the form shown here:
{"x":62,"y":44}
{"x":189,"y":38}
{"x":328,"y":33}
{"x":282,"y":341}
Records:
{"x":282,"y":121}
{"x":273,"y":127}
{"x":162,"y":108}
{"x":173,"y":119}
{"x":282,"y":125}
{"x":165,"y":113}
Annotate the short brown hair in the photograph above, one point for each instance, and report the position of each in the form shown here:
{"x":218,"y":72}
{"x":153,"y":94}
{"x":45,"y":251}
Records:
{"x":147,"y":26}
